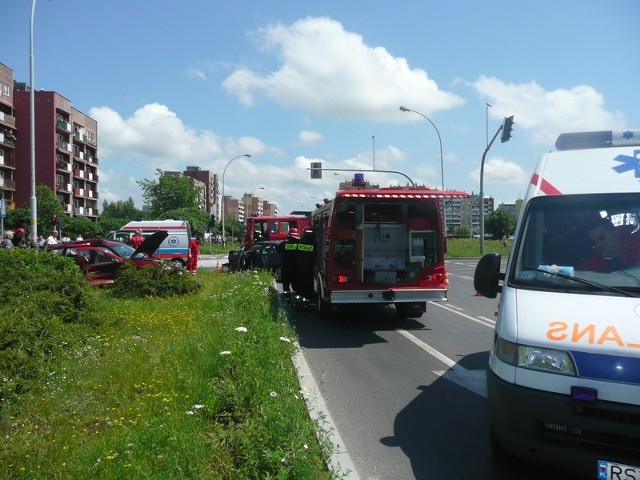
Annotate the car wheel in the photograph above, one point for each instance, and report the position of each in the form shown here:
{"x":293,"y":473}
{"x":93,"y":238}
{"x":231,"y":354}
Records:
{"x":177,"y":263}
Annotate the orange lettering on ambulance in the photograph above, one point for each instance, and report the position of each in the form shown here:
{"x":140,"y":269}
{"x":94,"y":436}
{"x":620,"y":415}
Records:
{"x":588,"y":330}
{"x":610,"y":334}
{"x":555,"y":332}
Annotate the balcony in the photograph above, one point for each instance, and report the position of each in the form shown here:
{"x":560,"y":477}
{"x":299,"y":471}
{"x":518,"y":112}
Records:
{"x":8,"y":119}
{"x":9,"y":185}
{"x":63,"y":125}
{"x":61,"y":165}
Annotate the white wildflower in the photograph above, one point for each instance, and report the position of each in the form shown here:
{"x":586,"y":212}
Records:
{"x":285,"y":339}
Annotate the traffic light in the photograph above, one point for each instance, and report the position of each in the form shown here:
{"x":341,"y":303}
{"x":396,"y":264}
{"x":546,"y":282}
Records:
{"x":316,"y":169}
{"x":54,"y":221}
{"x":507,"y":126}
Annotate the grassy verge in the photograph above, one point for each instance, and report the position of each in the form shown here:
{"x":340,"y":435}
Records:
{"x":470,"y":247}
{"x":200,"y":386}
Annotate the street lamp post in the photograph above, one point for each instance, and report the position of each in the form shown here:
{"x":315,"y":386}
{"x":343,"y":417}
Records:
{"x":224,"y":237}
{"x":32,"y":136}
{"x":444,"y":215}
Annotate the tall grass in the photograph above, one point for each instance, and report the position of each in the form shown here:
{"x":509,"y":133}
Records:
{"x":198,"y":387}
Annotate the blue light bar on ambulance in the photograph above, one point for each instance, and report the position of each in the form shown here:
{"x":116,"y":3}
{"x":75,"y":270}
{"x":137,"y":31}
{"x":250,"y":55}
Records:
{"x":602,"y":139}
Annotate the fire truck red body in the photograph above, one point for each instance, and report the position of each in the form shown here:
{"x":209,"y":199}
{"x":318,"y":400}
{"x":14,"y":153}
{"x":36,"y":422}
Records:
{"x":383,"y":246}
{"x":272,"y":228}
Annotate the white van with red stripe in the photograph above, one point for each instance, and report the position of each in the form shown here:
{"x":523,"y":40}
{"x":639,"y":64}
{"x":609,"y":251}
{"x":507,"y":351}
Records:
{"x":564,"y":371}
{"x":174,"y":248}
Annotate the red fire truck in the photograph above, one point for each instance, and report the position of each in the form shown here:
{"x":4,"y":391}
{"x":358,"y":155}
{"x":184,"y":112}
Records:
{"x":272,"y":227}
{"x":383,"y":246}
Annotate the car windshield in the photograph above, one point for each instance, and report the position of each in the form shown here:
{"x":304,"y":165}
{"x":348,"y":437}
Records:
{"x":581,"y":243}
{"x":122,"y":249}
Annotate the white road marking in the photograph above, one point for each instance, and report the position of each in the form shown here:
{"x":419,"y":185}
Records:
{"x":473,"y":380}
{"x":481,"y":320}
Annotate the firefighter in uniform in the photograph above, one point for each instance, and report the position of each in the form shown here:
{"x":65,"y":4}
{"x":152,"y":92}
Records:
{"x":290,"y":249}
{"x":306,"y":259}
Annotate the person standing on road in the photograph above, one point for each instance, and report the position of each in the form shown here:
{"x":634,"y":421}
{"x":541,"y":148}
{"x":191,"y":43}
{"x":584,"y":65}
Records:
{"x":194,"y":252}
{"x":137,"y":239}
{"x":290,"y":248}
{"x":305,"y":266}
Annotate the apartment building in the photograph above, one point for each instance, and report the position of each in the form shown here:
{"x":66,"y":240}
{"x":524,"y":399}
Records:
{"x":66,"y":151}
{"x":8,"y":135}
{"x":210,"y":181}
{"x":465,"y":212}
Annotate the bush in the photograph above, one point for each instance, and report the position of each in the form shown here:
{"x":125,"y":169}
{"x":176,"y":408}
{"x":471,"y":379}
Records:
{"x":52,"y":282}
{"x":44,"y":300}
{"x":131,"y":282}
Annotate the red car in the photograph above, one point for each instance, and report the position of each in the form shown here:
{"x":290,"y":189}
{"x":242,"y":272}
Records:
{"x":100,"y":259}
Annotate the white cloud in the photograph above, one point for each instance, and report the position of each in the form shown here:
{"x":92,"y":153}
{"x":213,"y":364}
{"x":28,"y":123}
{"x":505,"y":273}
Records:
{"x":196,"y":73}
{"x":309,"y":137}
{"x":546,"y":113}
{"x":329,"y":70}
{"x":500,"y":171}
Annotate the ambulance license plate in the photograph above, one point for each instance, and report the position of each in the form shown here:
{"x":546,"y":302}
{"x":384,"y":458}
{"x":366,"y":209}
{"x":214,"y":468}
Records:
{"x":617,"y":471}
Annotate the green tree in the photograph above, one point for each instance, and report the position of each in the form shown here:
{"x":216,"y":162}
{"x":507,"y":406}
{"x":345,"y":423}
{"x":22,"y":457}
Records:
{"x":117,"y":214}
{"x":121,"y":209}
{"x":500,"y":223}
{"x":74,"y":227}
{"x":47,"y":205}
{"x":168,"y":193}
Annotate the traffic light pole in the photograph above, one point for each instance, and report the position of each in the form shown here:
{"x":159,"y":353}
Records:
{"x":505,"y":128}
{"x":484,"y":155}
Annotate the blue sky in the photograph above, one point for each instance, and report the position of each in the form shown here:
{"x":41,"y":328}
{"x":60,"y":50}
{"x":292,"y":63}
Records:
{"x":199,"y":82}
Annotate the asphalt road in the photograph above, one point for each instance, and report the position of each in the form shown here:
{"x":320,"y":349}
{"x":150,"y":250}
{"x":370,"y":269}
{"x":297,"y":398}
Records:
{"x":408,"y":397}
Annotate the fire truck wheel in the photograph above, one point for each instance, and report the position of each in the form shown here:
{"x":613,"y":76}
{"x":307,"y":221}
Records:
{"x":324,"y":307}
{"x":410,"y":310}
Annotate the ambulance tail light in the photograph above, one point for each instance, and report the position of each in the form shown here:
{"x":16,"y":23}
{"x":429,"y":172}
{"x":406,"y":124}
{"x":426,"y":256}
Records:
{"x":340,"y":279}
{"x":534,"y":358}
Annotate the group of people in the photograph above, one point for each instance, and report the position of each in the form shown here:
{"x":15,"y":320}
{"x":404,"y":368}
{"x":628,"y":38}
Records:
{"x":19,"y":239}
{"x":298,"y":266}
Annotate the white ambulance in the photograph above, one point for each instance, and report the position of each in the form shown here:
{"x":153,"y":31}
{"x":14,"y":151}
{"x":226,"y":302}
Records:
{"x":174,"y":248}
{"x":564,"y":370}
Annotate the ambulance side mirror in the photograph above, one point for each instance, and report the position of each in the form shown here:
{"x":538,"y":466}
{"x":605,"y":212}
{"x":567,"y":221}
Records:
{"x":487,"y":275}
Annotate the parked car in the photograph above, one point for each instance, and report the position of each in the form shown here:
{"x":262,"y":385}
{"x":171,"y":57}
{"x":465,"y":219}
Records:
{"x":264,"y":255}
{"x":100,"y":259}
